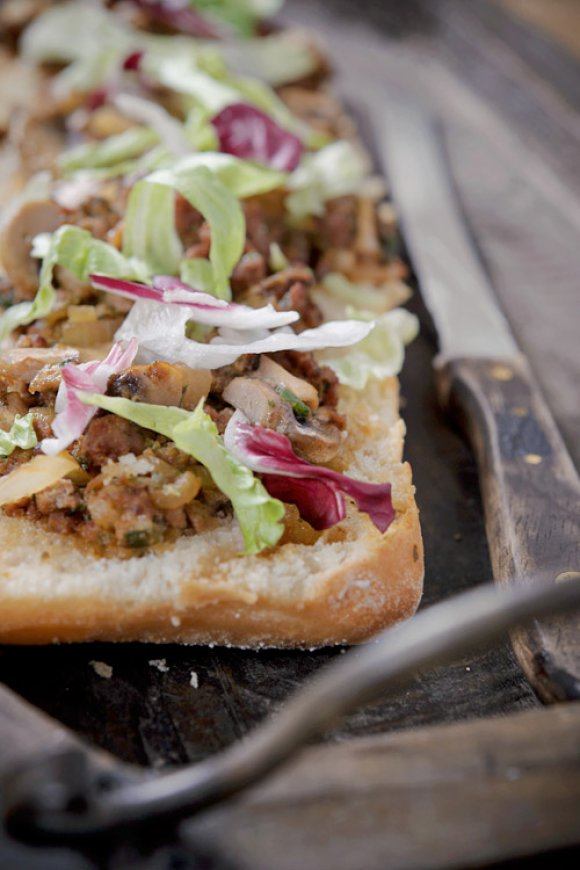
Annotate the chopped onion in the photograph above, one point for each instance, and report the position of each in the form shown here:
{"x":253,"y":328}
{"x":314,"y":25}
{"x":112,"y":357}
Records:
{"x":34,"y":476}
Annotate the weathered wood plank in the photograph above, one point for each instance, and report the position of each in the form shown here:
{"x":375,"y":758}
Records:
{"x":451,"y":796}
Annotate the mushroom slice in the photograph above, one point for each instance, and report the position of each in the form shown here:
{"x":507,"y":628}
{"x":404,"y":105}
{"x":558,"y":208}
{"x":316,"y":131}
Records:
{"x":278,"y":377}
{"x":162,"y":383}
{"x":16,"y":235}
{"x":315,"y":441}
{"x":259,"y":401}
{"x":263,"y":406}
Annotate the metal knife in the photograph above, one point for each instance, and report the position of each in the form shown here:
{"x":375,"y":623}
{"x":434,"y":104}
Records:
{"x":530,"y":488}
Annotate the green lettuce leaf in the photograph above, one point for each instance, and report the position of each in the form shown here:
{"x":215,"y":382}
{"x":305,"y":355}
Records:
{"x":241,"y":177}
{"x":278,"y":59}
{"x":198,"y":273}
{"x":154,"y":159}
{"x":212,"y":183}
{"x":364,"y":296}
{"x":199,"y":131}
{"x":72,"y":31}
{"x":149,"y":231}
{"x":277,"y":259}
{"x":241,"y":15}
{"x":221,"y":209}
{"x":110,"y":152}
{"x":336,"y":170}
{"x":381,"y":354}
{"x":21,"y":435}
{"x":258,"y":514}
{"x":76,"y":250}
{"x":211,"y":86}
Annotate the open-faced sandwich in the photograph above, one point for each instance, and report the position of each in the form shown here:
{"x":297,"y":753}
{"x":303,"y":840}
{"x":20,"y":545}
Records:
{"x":199,"y":430}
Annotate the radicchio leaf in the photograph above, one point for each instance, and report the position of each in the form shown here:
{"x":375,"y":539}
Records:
{"x":251,"y":134}
{"x":72,"y":415}
{"x":271,"y":453}
{"x":320,"y":503}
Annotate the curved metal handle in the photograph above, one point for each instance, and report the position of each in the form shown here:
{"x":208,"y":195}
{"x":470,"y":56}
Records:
{"x":437,"y":634}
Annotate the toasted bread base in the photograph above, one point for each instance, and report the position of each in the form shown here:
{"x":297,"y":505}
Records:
{"x":349,"y":584}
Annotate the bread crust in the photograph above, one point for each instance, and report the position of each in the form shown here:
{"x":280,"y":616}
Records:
{"x":349,"y":584}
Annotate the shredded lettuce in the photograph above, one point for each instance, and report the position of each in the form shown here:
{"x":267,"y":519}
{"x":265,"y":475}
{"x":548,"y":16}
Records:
{"x":87,"y":37}
{"x":76,"y":250}
{"x":109,"y":152}
{"x":212,"y":88}
{"x":258,"y":514}
{"x":364,"y":296}
{"x":70,"y":31}
{"x":277,"y":260}
{"x":221,"y":209}
{"x":156,"y":158}
{"x":336,"y":170}
{"x":21,"y":435}
{"x":277,"y":59}
{"x":197,"y":273}
{"x":149,"y":232}
{"x":241,"y":177}
{"x":212,"y":184}
{"x":199,"y":131}
{"x":241,"y":15}
{"x":380,"y":354}
{"x":89,"y":73}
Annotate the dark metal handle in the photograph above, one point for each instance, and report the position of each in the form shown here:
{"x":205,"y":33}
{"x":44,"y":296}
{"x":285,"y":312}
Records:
{"x":437,"y":634}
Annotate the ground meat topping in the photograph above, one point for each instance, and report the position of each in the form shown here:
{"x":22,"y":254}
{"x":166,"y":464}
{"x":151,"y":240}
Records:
{"x":109,"y":437}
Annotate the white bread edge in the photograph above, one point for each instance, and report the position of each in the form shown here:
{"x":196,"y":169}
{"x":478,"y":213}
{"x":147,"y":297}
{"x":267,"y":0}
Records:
{"x":351,"y":583}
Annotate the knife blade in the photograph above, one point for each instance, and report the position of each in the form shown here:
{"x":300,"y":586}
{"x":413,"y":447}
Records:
{"x":530,"y":488}
{"x":453,"y":281}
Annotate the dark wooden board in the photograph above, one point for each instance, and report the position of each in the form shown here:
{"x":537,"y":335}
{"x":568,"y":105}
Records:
{"x":154,"y":718}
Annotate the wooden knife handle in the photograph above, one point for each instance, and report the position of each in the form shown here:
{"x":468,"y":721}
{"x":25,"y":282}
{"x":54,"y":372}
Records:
{"x":531,"y":497}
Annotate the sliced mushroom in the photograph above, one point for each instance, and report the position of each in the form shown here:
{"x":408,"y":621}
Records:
{"x":162,"y":383}
{"x":263,"y":406}
{"x":277,"y":376}
{"x":259,"y":401}
{"x":16,"y":235}
{"x":367,"y":243}
{"x":315,"y":441}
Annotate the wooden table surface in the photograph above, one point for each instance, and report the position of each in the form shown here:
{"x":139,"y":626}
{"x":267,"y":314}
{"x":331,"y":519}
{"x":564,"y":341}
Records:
{"x":509,"y":95}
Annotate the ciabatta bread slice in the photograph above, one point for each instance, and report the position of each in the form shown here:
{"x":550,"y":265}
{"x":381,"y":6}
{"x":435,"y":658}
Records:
{"x":342,"y":587}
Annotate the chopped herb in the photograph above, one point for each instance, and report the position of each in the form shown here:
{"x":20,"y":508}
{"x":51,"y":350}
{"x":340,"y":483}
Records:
{"x":301,"y":410}
{"x":137,"y":539}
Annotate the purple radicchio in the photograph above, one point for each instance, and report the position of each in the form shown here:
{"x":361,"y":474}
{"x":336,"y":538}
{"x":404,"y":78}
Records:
{"x":249,"y":133}
{"x":317,"y":492}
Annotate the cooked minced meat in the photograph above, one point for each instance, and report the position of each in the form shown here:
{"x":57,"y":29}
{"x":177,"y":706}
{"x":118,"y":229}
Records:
{"x":109,"y":437}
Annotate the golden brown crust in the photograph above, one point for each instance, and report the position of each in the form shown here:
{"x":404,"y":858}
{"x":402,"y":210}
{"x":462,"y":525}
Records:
{"x":348,"y":585}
